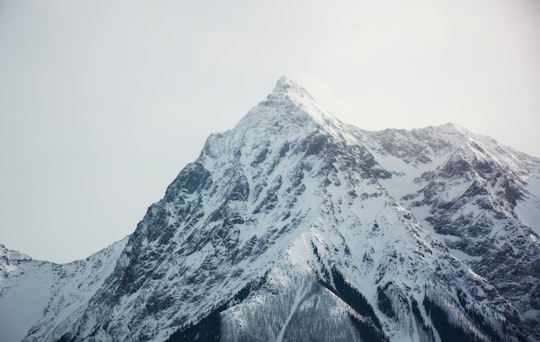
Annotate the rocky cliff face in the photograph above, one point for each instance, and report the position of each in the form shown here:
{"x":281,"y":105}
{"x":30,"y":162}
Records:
{"x":294,"y":226}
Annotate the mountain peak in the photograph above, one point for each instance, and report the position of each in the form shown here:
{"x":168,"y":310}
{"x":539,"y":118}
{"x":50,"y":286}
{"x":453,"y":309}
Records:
{"x":291,"y":105}
{"x":451,"y":127}
{"x":286,"y":86}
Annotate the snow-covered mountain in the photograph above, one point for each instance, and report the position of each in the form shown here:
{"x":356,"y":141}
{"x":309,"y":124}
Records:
{"x":294,"y":226}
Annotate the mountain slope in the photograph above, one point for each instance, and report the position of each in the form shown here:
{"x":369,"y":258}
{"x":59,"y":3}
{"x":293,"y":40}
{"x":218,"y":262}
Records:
{"x":479,"y":197}
{"x":294,"y":226}
{"x":47,"y":295}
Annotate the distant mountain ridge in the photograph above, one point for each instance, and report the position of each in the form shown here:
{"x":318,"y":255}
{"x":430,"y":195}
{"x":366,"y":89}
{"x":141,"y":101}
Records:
{"x":295,"y":226}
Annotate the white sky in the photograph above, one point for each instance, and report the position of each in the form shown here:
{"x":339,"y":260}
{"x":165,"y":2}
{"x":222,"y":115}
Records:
{"x":103,"y":102}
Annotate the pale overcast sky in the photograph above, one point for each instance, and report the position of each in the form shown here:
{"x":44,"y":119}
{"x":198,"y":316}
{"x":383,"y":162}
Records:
{"x":102,"y":102}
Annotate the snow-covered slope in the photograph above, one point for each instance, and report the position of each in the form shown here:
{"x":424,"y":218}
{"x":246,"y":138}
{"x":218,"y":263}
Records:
{"x":295,"y":226}
{"x":25,"y":288}
{"x":481,"y":198}
{"x":40,"y":296}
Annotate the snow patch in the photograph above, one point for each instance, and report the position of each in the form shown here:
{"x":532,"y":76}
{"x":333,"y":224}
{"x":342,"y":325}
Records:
{"x":528,"y":209}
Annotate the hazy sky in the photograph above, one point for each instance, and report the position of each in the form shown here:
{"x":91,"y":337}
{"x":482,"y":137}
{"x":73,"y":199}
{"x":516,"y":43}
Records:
{"x":103,"y":102}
